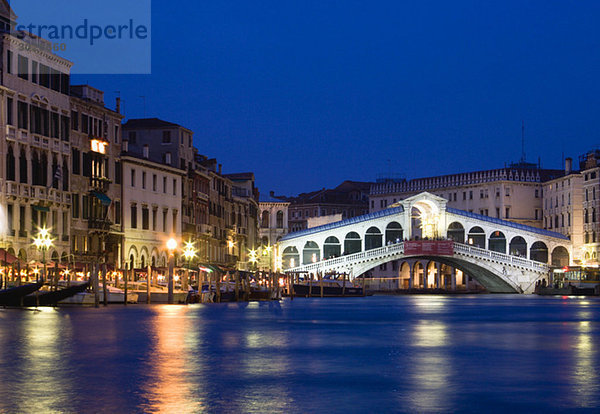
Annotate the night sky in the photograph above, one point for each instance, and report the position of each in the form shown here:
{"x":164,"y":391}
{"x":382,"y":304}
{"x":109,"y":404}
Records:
{"x":307,"y":94}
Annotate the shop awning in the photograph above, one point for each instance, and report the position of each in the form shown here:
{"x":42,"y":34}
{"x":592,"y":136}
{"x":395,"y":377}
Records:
{"x":6,"y":257}
{"x":102,"y":197}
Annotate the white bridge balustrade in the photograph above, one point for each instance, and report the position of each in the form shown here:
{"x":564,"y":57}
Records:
{"x":504,"y":262}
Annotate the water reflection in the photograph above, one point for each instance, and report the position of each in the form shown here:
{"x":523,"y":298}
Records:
{"x":584,"y":375}
{"x":170,"y":364}
{"x":430,"y":367}
{"x":44,"y":381}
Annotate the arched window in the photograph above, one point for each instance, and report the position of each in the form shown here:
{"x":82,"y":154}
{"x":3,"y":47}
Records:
{"x":10,"y":165}
{"x":280,"y":219}
{"x":264,"y":221}
{"x":65,"y":176}
{"x":22,"y":167}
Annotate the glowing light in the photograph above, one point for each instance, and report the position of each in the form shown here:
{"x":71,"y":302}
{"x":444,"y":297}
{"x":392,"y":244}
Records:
{"x":188,"y":251}
{"x":98,"y":146}
{"x":171,"y":244}
{"x":231,"y":243}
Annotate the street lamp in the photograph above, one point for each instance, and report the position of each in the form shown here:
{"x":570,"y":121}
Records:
{"x":43,"y":242}
{"x":189,"y":252}
{"x":171,"y":246}
{"x":253,"y":256}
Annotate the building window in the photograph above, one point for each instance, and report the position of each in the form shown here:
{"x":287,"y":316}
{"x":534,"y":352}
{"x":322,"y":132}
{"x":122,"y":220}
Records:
{"x":9,"y":111}
{"x":471,"y":195}
{"x":143,"y":180}
{"x":167,"y":158}
{"x":117,"y":212}
{"x":9,"y":59}
{"x":507,"y":212}
{"x":507,"y":192}
{"x":75,"y":205}
{"x":165,"y":185}
{"x":164,"y":220}
{"x":76,"y":161}
{"x":154,"y":214}
{"x":174,"y":221}
{"x":133,"y":216}
{"x":174,"y":186}
{"x":153,"y":182}
{"x":132,"y":177}
{"x":166,"y":137}
{"x":22,"y":111}
{"x":85,"y":204}
{"x":145,"y":218}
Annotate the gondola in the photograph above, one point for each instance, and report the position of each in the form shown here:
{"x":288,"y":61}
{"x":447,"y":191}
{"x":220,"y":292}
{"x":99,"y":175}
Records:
{"x":14,"y":295}
{"x":49,"y":297}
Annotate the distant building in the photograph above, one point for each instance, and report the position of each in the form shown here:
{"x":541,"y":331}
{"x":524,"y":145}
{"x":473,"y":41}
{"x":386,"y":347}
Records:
{"x":563,"y":207}
{"x":350,"y":199}
{"x":151,"y":210}
{"x":589,"y":165}
{"x":512,"y":193}
{"x":273,"y":214}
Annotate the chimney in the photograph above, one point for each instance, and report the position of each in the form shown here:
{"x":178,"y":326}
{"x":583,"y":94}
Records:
{"x":220,"y":168}
{"x":146,"y":151}
{"x":568,"y":165}
{"x":272,"y":193}
{"x":118,"y":109}
{"x":125,"y":147}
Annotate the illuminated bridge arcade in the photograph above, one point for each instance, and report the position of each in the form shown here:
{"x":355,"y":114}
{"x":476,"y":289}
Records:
{"x":433,"y":243}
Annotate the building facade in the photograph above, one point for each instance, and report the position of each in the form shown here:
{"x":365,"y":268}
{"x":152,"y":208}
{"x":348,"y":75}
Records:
{"x":35,"y":145}
{"x":151,"y":200}
{"x":350,"y":199}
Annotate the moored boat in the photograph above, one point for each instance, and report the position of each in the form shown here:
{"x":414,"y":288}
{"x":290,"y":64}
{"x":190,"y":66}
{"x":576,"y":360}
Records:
{"x":10,"y":296}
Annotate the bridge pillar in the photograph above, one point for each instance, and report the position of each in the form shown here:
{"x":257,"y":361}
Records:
{"x":453,"y":278}
{"x":438,"y":275}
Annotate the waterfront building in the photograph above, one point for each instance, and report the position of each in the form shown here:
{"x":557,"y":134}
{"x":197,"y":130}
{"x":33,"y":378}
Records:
{"x":589,"y":165}
{"x":95,"y":178}
{"x":35,"y":145}
{"x":273,"y":214}
{"x":563,"y":207}
{"x":151,"y":203}
{"x":350,"y":199}
{"x":244,"y":218}
{"x":512,"y":193}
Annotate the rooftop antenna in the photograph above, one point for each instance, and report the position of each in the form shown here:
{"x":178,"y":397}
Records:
{"x":522,"y":141}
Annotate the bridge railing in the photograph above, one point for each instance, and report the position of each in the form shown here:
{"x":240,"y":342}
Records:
{"x":337,"y":261}
{"x":399,"y":248}
{"x":501,"y":257}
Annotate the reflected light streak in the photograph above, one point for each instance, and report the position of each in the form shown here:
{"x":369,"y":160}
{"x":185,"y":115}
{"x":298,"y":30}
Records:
{"x":43,"y":375}
{"x":584,"y":374}
{"x":167,"y":390}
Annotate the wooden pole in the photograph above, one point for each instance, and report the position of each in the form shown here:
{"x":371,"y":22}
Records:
{"x":292,"y":285}
{"x":125,"y":277}
{"x":237,"y":286}
{"x":95,"y":282}
{"x":344,"y":284}
{"x":200,"y":284}
{"x":310,"y":276}
{"x":320,"y":274}
{"x":218,"y":286}
{"x":148,"y":282}
{"x":104,"y":287}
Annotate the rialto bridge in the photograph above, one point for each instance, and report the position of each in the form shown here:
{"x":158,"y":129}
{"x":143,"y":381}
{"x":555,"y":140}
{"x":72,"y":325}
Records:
{"x":425,"y":235}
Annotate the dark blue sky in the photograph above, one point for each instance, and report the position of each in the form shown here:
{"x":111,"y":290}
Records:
{"x":309,"y":93}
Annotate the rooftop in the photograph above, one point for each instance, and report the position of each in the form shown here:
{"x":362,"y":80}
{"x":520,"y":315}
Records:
{"x":149,"y":123}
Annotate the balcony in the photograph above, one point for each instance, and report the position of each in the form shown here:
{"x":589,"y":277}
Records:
{"x":100,"y":183}
{"x":99,"y":224}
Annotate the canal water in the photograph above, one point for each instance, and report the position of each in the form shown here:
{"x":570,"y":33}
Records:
{"x":480,"y":353}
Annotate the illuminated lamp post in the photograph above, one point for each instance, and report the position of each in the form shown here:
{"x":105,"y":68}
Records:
{"x":171,"y":246}
{"x":189,"y":253}
{"x":43,"y":242}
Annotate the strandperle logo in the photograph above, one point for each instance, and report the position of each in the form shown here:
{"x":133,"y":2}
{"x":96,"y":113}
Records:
{"x":86,"y":31}
{"x":98,"y":37}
